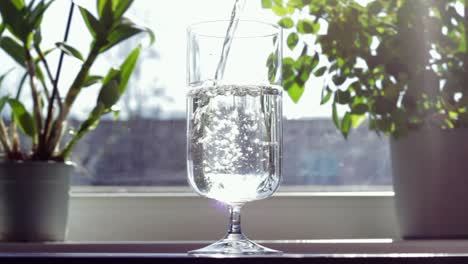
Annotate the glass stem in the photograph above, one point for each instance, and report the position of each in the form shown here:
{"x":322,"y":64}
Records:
{"x":235,"y":219}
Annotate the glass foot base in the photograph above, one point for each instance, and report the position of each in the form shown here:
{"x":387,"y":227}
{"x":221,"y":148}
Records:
{"x":234,"y":245}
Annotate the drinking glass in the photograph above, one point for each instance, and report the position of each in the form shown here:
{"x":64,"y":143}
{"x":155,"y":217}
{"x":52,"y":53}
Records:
{"x":234,"y":121}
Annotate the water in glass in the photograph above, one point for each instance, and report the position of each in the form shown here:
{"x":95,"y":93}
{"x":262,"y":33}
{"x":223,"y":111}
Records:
{"x":234,"y":141}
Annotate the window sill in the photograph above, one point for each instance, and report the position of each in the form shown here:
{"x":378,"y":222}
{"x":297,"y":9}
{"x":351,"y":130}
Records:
{"x":182,"y":216}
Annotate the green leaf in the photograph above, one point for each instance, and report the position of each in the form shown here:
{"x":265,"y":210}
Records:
{"x":127,"y":68}
{"x":13,"y":18}
{"x":306,"y":26}
{"x":100,"y":6}
{"x":326,"y":95}
{"x":304,"y":61}
{"x":106,"y":14}
{"x":2,"y":28}
{"x":360,"y":109}
{"x":272,"y":65}
{"x":109,"y":94}
{"x":266,"y":4}
{"x":69,"y":50}
{"x":295,"y":91}
{"x":339,"y":79}
{"x":97,"y":112}
{"x":37,"y":37}
{"x":288,"y":68}
{"x":123,"y":31}
{"x":111,"y":74}
{"x":292,"y":41}
{"x":296,"y":3}
{"x":305,"y":65}
{"x":288,"y":62}
{"x":346,"y":124}
{"x":357,"y":120}
{"x":94,"y":27}
{"x":23,"y":118}
{"x":110,"y":91}
{"x":91,"y":79}
{"x":3,"y":102}
{"x":335,"y":117}
{"x":44,"y":53}
{"x":286,"y":22}
{"x":282,"y":11}
{"x":121,"y":8}
{"x":333,"y":67}
{"x":150,"y":33}
{"x":2,"y":77}
{"x":92,"y":121}
{"x":342,"y":97}
{"x":19,"y":4}
{"x":89,"y":124}
{"x":13,"y":49}
{"x":34,"y":18}
{"x":320,"y":72}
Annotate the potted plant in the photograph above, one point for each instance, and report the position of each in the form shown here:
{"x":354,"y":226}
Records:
{"x":34,"y":177}
{"x":402,"y":65}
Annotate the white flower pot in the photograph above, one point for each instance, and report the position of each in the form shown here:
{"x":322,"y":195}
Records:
{"x":430,"y":178}
{"x":34,"y":201}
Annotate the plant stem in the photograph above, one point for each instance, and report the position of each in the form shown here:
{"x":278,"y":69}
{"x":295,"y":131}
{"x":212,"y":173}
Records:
{"x":35,"y":96}
{"x":65,"y":153}
{"x":49,"y":74}
{"x":13,"y":131}
{"x":55,"y":91}
{"x":20,"y":86}
{"x":46,"y":91}
{"x":75,"y":89}
{"x":62,"y":54}
{"x":4,"y":137}
{"x":56,"y":131}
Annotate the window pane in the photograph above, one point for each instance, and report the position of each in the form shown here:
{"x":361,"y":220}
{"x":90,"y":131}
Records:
{"x":151,"y":152}
{"x":146,"y":146}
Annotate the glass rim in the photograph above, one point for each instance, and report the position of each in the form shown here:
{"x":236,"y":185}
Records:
{"x":191,"y":29}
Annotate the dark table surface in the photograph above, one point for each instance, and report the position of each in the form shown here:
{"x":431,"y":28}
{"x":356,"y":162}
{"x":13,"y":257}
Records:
{"x":310,"y":251}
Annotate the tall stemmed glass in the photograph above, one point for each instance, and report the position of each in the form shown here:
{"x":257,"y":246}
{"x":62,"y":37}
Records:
{"x":234,"y":123}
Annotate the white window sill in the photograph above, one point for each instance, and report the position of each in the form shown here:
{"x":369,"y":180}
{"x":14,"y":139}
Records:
{"x":184,"y":216}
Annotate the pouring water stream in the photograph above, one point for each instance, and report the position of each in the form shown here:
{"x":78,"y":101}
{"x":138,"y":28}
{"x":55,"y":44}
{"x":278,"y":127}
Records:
{"x":231,"y":30}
